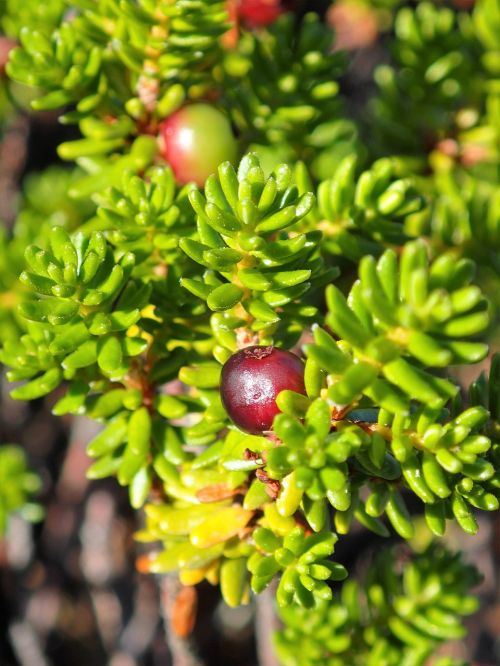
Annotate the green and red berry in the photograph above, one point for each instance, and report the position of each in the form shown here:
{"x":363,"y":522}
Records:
{"x":195,"y":140}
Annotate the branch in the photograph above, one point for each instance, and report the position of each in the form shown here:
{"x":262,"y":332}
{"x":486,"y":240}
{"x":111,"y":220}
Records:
{"x":266,"y":623}
{"x":178,"y":610}
{"x":12,"y":160}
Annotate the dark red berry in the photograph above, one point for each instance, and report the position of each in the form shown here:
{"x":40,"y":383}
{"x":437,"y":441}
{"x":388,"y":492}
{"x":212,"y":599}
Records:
{"x":251,"y":380}
{"x":259,"y":13}
{"x":195,"y":140}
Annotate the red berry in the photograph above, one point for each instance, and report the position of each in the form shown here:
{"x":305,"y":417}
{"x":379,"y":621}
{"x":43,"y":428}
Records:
{"x":251,"y":380}
{"x":259,"y":13}
{"x":195,"y":140}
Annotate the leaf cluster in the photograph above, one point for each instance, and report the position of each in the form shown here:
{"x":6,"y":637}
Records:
{"x":391,"y":615}
{"x":361,"y":213}
{"x":17,"y":487}
{"x":283,"y":91}
{"x":436,"y":58}
{"x":254,"y":265}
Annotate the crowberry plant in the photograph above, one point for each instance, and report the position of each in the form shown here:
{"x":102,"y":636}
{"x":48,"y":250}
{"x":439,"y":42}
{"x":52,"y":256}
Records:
{"x":261,"y":284}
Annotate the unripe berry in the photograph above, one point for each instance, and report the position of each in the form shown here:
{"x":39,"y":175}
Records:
{"x":251,"y":380}
{"x":195,"y":140}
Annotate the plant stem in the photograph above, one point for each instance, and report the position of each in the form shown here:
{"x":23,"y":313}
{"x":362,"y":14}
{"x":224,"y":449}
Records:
{"x":266,"y":623}
{"x":182,"y":650}
{"x":12,"y":160}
